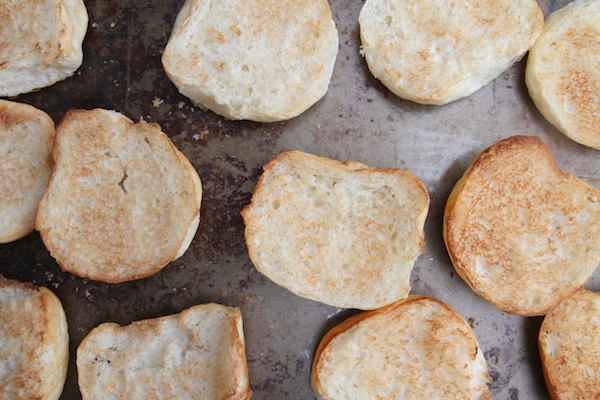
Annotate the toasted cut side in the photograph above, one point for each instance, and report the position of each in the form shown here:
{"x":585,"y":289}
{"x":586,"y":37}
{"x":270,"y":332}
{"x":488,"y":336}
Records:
{"x":437,"y":51}
{"x":563,"y":71}
{"x":34,"y":342}
{"x":570,"y":347}
{"x":196,"y":354}
{"x":26,"y":140}
{"x":417,"y":348}
{"x":522,"y":233}
{"x":40,"y":42}
{"x":343,"y":234}
{"x":122,"y":202}
{"x":260,"y":60}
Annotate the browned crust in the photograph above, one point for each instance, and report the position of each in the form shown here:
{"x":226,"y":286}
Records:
{"x":334,"y":289}
{"x":239,"y":388}
{"x":449,"y":219}
{"x":551,"y":386}
{"x":48,"y":54}
{"x":411,"y":70}
{"x":348,"y":165}
{"x":47,"y":326}
{"x":5,"y":282}
{"x":28,"y":175}
{"x":563,"y":373}
{"x":562,"y":77}
{"x":323,"y":357}
{"x":488,"y":160}
{"x":148,"y":265}
{"x":200,"y":77}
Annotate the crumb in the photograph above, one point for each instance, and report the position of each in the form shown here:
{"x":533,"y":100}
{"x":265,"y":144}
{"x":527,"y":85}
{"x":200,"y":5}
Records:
{"x":251,"y":297}
{"x":180,"y":105}
{"x":157,"y":102}
{"x":223,"y":292}
{"x":204,"y":134}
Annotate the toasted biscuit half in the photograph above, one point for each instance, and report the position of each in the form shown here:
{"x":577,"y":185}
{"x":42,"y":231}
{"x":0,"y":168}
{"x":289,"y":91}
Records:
{"x":122,"y":201}
{"x":40,"y":43}
{"x":417,"y":348}
{"x":563,"y":71}
{"x":260,"y":60}
{"x":343,"y":234}
{"x":34,"y":342}
{"x":437,"y":51}
{"x":26,"y":140}
{"x":522,"y":233}
{"x":196,"y":354}
{"x":570,"y":347}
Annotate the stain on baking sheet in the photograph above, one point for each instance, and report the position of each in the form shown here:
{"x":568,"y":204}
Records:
{"x":513,"y":394}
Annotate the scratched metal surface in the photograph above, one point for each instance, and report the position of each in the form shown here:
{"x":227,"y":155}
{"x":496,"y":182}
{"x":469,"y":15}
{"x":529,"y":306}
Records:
{"x":358,"y":119}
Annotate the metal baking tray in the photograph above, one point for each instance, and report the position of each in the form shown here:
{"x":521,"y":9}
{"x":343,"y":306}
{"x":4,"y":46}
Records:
{"x":358,"y":119}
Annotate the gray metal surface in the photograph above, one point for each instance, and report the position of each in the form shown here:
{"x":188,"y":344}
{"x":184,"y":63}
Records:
{"x":359,"y":120}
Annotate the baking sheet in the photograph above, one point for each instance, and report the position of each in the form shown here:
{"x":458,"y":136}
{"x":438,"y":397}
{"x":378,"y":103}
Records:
{"x":359,"y":120}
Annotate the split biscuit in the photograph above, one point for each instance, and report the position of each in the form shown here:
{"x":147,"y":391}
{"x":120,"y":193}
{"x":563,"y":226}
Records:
{"x":563,"y":71}
{"x":26,"y":141}
{"x":253,"y":60}
{"x":40,"y":43}
{"x":570,"y":347}
{"x":522,"y":233}
{"x":122,"y":202}
{"x":34,"y":342}
{"x":196,"y":354}
{"x":340,"y":233}
{"x":437,"y":51}
{"x":417,"y":348}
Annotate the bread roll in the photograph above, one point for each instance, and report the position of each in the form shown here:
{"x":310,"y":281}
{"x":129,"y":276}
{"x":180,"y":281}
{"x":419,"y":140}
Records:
{"x":196,"y":354}
{"x":41,"y":43}
{"x":522,"y":233}
{"x":255,"y":60}
{"x":26,"y":140}
{"x":34,"y":342}
{"x":417,"y":348}
{"x":570,"y":347}
{"x":437,"y":51}
{"x":563,"y":71}
{"x":122,"y":202}
{"x":343,"y":234}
